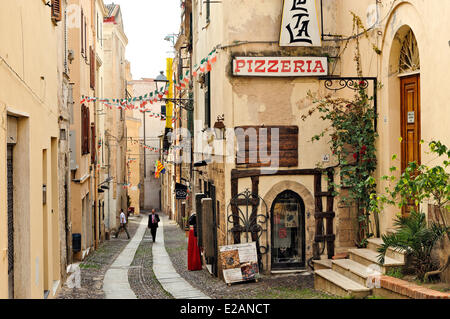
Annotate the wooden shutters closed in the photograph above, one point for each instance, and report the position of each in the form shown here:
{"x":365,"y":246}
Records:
{"x":84,"y":130}
{"x":92,"y":67}
{"x":93,"y":145}
{"x":82,"y":32}
{"x":56,"y":10}
{"x":258,"y":146}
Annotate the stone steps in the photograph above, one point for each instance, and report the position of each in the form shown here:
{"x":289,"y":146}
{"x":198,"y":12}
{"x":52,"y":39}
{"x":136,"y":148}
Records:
{"x":322,"y":264}
{"x":330,"y":281}
{"x":369,"y":257}
{"x":375,"y":243}
{"x":353,"y":270}
{"x":354,"y":276}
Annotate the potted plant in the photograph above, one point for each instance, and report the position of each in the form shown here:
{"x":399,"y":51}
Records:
{"x":418,"y":184}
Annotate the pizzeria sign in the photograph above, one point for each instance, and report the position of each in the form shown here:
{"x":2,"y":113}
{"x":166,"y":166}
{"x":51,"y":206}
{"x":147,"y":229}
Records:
{"x":280,"y":66}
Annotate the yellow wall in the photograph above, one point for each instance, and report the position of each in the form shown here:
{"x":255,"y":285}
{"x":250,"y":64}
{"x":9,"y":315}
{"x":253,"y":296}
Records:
{"x":133,"y":158}
{"x":115,"y":76}
{"x":80,"y":75}
{"x":28,"y":77}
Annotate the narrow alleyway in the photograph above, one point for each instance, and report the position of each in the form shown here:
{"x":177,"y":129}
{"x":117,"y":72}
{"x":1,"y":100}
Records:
{"x":139,"y":268}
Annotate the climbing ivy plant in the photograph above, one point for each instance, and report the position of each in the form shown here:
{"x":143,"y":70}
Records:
{"x":352,"y":139}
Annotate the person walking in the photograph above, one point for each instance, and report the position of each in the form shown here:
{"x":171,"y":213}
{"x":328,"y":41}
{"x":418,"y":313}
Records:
{"x":153,"y":220}
{"x":123,"y":224}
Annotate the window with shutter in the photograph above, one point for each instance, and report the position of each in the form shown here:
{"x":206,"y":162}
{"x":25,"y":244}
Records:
{"x":92,"y":67}
{"x":88,"y":120}
{"x":208,"y":100}
{"x":85,"y":121}
{"x":56,"y":10}
{"x":82,"y":32}
{"x":93,"y":146}
{"x":208,"y":11}
{"x":83,"y":129}
{"x":66,"y":65}
{"x":85,"y":38}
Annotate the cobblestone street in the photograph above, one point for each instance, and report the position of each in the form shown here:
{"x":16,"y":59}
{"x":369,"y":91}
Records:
{"x":94,"y":267}
{"x":279,"y":286}
{"x":145,"y":285}
{"x":140,"y":275}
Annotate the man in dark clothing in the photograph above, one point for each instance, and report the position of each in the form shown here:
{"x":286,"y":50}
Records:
{"x":153,"y":220}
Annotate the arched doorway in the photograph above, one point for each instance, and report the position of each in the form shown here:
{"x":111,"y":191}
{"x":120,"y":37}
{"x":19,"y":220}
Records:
{"x":288,"y":231}
{"x":409,"y":73}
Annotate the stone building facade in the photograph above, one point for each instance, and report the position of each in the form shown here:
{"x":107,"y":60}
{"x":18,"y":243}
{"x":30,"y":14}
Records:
{"x":393,"y":57}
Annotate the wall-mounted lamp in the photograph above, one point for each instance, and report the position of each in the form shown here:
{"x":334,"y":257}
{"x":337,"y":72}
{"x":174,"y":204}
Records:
{"x":219,"y":128}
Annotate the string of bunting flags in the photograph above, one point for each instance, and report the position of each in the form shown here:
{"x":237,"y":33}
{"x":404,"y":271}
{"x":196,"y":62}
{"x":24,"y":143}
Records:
{"x":152,"y":97}
{"x":157,"y":95}
{"x":204,"y":67}
{"x":154,"y":149}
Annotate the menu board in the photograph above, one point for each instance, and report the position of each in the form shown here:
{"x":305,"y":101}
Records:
{"x":239,"y":262}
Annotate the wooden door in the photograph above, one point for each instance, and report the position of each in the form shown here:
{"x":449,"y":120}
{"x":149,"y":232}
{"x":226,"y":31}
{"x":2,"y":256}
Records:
{"x":410,"y":124}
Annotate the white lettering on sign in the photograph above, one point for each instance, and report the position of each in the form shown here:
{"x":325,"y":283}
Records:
{"x":280,"y":66}
{"x":300,"y":25}
{"x":411,"y":117}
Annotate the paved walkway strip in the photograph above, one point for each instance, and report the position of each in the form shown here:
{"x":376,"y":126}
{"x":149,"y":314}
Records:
{"x":166,"y":274}
{"x":115,"y":282}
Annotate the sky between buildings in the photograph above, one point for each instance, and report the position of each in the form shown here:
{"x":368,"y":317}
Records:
{"x":147,"y":23}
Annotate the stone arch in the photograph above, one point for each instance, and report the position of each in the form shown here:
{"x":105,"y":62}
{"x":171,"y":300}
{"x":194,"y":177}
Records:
{"x":298,"y":188}
{"x":308,"y":200}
